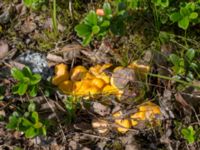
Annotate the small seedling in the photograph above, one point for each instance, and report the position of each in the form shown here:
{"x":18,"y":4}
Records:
{"x":189,"y":134}
{"x":27,"y":81}
{"x":29,"y":123}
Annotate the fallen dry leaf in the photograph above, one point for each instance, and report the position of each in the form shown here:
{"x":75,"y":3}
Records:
{"x":3,"y":49}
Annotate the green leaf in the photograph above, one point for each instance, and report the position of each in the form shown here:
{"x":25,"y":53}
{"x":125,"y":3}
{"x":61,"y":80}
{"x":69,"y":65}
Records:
{"x":184,"y":11}
{"x":83,"y":30}
{"x":174,"y":59}
{"x":13,"y":122}
{"x":107,"y":9}
{"x":44,"y":131}
{"x":87,"y":40}
{"x":105,"y":23}
{"x":175,"y":17}
{"x":95,"y":29}
{"x":26,"y":123}
{"x":38,"y":125}
{"x":91,"y":18}
{"x":184,"y":23}
{"x":17,"y":74}
{"x":36,"y":78}
{"x":30,"y":133}
{"x":31,"y":107}
{"x":27,"y":2}
{"x":193,"y":15}
{"x":190,"y":54}
{"x":33,"y":90}
{"x":22,"y":89}
{"x":15,"y":88}
{"x":27,"y":72}
{"x":35,"y":117}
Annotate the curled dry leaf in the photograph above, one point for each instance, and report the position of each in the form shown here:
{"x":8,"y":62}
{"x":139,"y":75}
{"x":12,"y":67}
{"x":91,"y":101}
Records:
{"x":100,"y":125}
{"x":3,"y":49}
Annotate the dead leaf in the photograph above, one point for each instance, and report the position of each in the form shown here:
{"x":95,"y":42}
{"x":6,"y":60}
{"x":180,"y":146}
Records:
{"x":100,"y":109}
{"x":181,"y":100}
{"x":28,"y":27}
{"x":3,"y":49}
{"x":55,"y":58}
{"x":122,"y":77}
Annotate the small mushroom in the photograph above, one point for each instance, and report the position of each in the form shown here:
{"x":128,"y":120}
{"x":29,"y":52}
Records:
{"x":66,"y":86}
{"x":146,"y":112}
{"x":61,"y":74}
{"x":78,"y":73}
{"x":123,"y":125}
{"x":100,"y":83}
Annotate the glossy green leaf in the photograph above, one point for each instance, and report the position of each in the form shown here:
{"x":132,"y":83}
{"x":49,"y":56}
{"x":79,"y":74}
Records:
{"x":105,"y":23}
{"x":95,"y":29}
{"x":33,"y":90}
{"x":87,"y":40}
{"x":184,"y":23}
{"x":35,"y":79}
{"x":175,"y":17}
{"x":27,"y":72}
{"x":83,"y":30}
{"x":30,"y":133}
{"x":17,"y":74}
{"x":91,"y":18}
{"x":13,"y":122}
{"x":35,"y":117}
{"x":193,"y":15}
{"x":190,"y":54}
{"x":174,"y":59}
{"x":189,"y":134}
{"x":22,"y":89}
{"x":107,"y":9}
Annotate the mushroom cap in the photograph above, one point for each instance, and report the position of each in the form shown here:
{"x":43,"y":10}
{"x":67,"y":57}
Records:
{"x":61,"y":74}
{"x":78,"y":73}
{"x":123,"y":124}
{"x":66,"y":86}
{"x":100,"y":83}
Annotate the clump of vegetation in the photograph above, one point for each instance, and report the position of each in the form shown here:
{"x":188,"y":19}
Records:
{"x":29,"y":123}
{"x":27,"y":81}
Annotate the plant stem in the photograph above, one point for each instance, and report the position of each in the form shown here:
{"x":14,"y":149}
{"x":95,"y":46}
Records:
{"x":173,"y":79}
{"x":54,"y":20}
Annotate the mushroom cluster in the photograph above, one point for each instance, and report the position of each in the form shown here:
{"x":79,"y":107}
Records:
{"x":89,"y":82}
{"x":146,"y":113}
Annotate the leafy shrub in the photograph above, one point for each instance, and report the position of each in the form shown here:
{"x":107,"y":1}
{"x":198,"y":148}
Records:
{"x":29,"y":123}
{"x":27,"y":81}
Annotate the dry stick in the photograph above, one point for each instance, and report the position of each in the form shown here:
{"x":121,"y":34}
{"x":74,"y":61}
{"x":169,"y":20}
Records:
{"x":96,"y":136}
{"x":55,"y":115}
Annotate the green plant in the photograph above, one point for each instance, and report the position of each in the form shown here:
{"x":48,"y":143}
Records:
{"x":34,"y":4}
{"x":94,"y":25}
{"x":29,"y":123}
{"x":27,"y":81}
{"x":185,"y":65}
{"x":185,"y":15}
{"x":189,"y":134}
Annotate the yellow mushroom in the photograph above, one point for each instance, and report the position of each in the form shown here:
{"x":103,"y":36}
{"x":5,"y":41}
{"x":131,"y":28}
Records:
{"x":78,"y":73}
{"x":66,"y":87}
{"x":110,"y":90}
{"x":146,"y":112}
{"x":141,"y":70}
{"x":85,"y":88}
{"x":98,"y":71}
{"x":123,"y":125}
{"x":100,"y":83}
{"x":61,"y":74}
